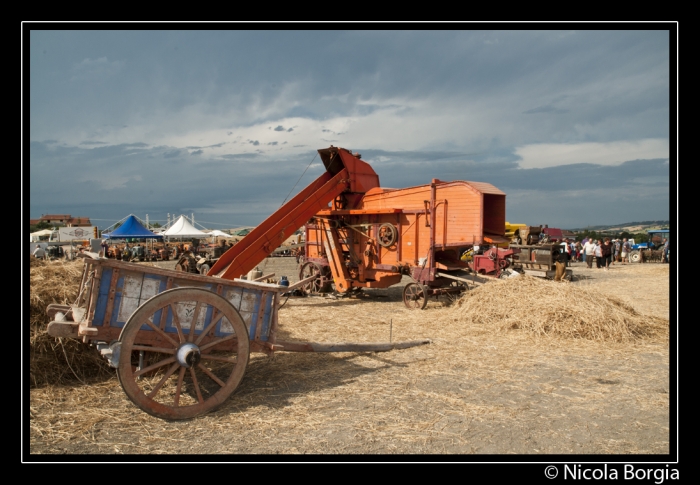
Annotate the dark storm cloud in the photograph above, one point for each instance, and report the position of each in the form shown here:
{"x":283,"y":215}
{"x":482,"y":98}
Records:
{"x":197,"y":152}
{"x":279,"y":128}
{"x":123,"y":182}
{"x":172,"y":154}
{"x":195,"y":147}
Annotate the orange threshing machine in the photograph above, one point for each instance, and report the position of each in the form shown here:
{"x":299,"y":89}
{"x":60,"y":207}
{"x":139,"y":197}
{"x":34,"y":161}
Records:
{"x":360,"y":235}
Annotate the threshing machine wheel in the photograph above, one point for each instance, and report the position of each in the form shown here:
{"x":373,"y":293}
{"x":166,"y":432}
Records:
{"x":415,"y":296}
{"x":635,"y":256}
{"x":181,"y":377}
{"x":315,"y":286}
{"x":187,"y":264}
{"x":387,"y":235}
{"x":456,"y":296}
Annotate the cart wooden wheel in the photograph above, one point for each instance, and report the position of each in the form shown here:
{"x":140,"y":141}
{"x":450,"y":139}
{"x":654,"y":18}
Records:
{"x":387,"y":235}
{"x":415,"y":296}
{"x":184,"y":374}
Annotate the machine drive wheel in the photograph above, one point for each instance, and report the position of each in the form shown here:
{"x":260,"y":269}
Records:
{"x":456,"y":296}
{"x":315,"y":286}
{"x":415,"y":296}
{"x":184,"y":375}
{"x":636,"y":256}
{"x":387,"y":235}
{"x":204,"y":269}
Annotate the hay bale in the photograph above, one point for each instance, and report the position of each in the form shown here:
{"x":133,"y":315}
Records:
{"x":54,"y":360}
{"x":552,"y":309}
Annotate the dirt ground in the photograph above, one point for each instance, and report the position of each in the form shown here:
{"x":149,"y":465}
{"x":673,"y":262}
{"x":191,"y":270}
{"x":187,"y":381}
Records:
{"x":469,"y":392}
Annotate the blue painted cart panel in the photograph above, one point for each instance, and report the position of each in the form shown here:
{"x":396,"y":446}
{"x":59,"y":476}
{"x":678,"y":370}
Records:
{"x":135,"y":285}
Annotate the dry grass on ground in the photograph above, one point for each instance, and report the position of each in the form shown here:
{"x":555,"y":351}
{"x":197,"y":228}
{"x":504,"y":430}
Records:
{"x":532,"y":367}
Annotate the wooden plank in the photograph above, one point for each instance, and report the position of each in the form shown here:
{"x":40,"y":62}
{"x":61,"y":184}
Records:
{"x":264,"y":277}
{"x":110,"y":298}
{"x":350,"y":347}
{"x":63,"y":329}
{"x":331,"y":212}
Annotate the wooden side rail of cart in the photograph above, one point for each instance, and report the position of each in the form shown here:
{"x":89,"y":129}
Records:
{"x":180,"y":341}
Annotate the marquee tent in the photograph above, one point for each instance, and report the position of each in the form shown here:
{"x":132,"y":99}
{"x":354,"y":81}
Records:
{"x":131,"y":227}
{"x":34,"y":236}
{"x":217,"y":233}
{"x":183,"y":228}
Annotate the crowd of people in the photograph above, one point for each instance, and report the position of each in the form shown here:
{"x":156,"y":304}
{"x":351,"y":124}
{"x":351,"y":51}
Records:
{"x":605,"y":252}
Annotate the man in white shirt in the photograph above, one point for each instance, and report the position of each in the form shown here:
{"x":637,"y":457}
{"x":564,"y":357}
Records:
{"x":589,"y":249}
{"x":39,"y":253}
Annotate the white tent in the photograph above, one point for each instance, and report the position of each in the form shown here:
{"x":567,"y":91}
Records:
{"x":183,"y":228}
{"x":217,"y":233}
{"x":34,"y":236}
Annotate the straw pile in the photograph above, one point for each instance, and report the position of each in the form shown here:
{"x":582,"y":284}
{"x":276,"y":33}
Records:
{"x":54,"y":360}
{"x":547,"y":308}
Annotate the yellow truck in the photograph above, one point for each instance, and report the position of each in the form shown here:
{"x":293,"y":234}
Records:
{"x":512,"y":232}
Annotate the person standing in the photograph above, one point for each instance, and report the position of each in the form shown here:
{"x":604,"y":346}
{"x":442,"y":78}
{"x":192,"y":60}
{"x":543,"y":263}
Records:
{"x":579,"y":252}
{"x":589,"y":252}
{"x":598,"y":255}
{"x":626,"y":250}
{"x":606,"y":250}
{"x":664,"y":258}
{"x":616,"y":251}
{"x":560,"y":262}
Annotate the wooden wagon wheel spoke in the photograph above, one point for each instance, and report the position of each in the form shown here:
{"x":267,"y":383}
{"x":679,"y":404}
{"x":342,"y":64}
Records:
{"x":153,"y":367}
{"x":176,"y":322}
{"x":178,"y":388}
{"x":193,"y":323}
{"x":149,"y":348}
{"x":170,"y":372}
{"x":211,"y":376}
{"x":218,"y":358}
{"x":197,"y":389}
{"x":190,"y":378}
{"x":217,"y":342}
{"x":208,"y":328}
{"x":149,"y":322}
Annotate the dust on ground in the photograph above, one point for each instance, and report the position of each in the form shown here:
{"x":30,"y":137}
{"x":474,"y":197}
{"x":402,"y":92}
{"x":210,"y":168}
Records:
{"x":470,"y":391}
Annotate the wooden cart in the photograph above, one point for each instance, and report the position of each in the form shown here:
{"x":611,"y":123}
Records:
{"x":180,"y":341}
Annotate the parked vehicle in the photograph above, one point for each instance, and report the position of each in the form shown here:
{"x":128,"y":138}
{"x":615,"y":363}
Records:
{"x":642,"y":252}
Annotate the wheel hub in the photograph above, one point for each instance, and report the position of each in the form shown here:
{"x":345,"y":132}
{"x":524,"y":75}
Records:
{"x":188,"y":355}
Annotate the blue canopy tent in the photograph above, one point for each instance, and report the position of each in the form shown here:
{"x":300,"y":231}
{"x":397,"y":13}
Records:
{"x":131,"y":228}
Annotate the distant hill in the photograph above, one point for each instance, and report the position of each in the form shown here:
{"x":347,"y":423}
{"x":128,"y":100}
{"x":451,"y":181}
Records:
{"x":642,"y":226}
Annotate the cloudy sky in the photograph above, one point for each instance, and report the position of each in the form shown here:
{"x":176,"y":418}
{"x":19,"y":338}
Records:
{"x":573,"y":125}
